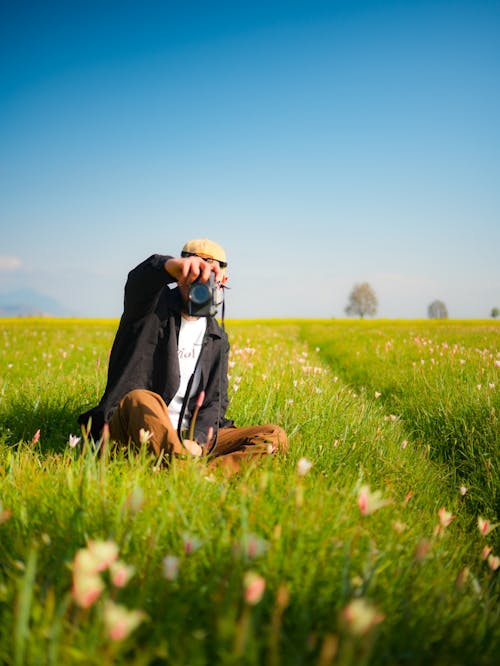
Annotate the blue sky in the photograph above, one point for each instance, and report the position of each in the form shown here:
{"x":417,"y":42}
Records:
{"x":322,"y":143}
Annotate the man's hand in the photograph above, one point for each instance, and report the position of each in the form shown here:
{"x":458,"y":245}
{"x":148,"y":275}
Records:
{"x":193,"y":447}
{"x":186,"y":270}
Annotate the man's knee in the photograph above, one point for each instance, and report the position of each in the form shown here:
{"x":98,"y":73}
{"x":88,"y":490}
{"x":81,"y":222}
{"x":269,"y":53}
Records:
{"x":276,"y":436}
{"x":139,"y":397}
{"x":281,"y":438}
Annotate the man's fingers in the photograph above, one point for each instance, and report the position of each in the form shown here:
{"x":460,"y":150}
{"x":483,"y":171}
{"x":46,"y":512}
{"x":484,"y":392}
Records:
{"x":188,"y":269}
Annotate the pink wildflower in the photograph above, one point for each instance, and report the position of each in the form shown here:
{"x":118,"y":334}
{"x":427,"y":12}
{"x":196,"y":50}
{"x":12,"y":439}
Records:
{"x":120,"y":621}
{"x":120,"y":573}
{"x":36,"y":437}
{"x":102,"y":553}
{"x":191,"y":543}
{"x":254,"y":586}
{"x":493,"y":562}
{"x":369,"y":501}
{"x":87,"y":588}
{"x":484,"y":526}
{"x":255,"y":546}
{"x":445,"y":517}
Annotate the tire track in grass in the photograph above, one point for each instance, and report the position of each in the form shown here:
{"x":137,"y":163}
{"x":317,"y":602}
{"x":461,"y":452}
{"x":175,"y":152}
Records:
{"x":444,"y":391}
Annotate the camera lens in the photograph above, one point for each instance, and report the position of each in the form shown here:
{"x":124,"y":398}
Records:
{"x":199,"y":294}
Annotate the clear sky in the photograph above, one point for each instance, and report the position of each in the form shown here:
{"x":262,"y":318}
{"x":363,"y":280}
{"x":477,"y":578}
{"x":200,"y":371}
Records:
{"x":322,"y":143}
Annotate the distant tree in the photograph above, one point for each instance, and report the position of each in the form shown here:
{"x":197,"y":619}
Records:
{"x":437,"y":310}
{"x":362,"y":301}
{"x":495,"y":312}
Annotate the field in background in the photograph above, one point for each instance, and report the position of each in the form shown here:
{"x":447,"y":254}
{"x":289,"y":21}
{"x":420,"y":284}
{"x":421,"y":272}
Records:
{"x":372,"y":541}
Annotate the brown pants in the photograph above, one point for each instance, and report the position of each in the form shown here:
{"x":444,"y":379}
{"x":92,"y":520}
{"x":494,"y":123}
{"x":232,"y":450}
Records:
{"x":147,"y":410}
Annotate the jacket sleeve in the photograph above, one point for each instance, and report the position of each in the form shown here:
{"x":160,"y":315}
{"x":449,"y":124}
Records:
{"x":144,"y":285}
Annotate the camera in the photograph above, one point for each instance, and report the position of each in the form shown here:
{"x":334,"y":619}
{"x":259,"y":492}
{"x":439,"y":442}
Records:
{"x":202,"y":300}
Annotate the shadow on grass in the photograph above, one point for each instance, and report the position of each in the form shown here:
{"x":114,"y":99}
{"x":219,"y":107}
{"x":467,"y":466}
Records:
{"x":20,"y":422}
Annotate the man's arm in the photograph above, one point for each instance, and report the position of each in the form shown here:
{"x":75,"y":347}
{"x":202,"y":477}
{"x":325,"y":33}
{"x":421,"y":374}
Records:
{"x":144,"y":286}
{"x":146,"y":281}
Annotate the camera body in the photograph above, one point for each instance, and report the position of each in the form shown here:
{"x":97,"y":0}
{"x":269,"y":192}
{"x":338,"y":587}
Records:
{"x":202,"y":300}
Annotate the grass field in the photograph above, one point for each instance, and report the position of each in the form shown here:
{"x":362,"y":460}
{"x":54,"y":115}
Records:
{"x":372,"y":541}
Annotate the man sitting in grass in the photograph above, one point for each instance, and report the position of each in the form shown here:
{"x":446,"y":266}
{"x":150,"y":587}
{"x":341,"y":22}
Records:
{"x":167,"y":375}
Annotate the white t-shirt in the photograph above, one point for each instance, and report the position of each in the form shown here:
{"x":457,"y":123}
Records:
{"x":191,"y":335}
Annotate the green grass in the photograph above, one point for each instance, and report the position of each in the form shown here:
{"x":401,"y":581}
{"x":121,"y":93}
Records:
{"x":429,"y":432}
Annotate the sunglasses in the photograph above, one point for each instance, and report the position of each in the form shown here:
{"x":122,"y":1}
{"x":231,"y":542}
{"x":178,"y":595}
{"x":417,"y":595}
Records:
{"x":209,"y":260}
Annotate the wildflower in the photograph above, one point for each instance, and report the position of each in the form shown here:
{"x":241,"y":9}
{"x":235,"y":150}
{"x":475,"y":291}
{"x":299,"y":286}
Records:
{"x":377,"y":394}
{"x":254,"y":546}
{"x":484,"y":526}
{"x":73,"y":441}
{"x":254,"y":586}
{"x":5,"y":514}
{"x":144,"y":436}
{"x":361,"y":616}
{"x":463,"y":490}
{"x":493,"y":562}
{"x":102,"y":553}
{"x":87,"y":588}
{"x":445,"y":517}
{"x":191,"y":543}
{"x":496,"y":363}
{"x":120,"y":621}
{"x":170,"y":567}
{"x":303,"y":466}
{"x":485,"y":552}
{"x":404,"y":443}
{"x":369,"y":501}
{"x":36,"y":437}
{"x":121,"y":573}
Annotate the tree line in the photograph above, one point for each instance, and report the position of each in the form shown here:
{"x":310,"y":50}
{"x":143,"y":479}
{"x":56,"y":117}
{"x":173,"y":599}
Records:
{"x":363,"y":303}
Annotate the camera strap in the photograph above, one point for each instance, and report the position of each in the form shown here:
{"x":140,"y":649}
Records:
{"x":219,"y":408}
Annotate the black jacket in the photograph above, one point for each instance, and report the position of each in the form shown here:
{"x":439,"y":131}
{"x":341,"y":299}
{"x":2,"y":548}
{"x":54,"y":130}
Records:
{"x":144,"y":353}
